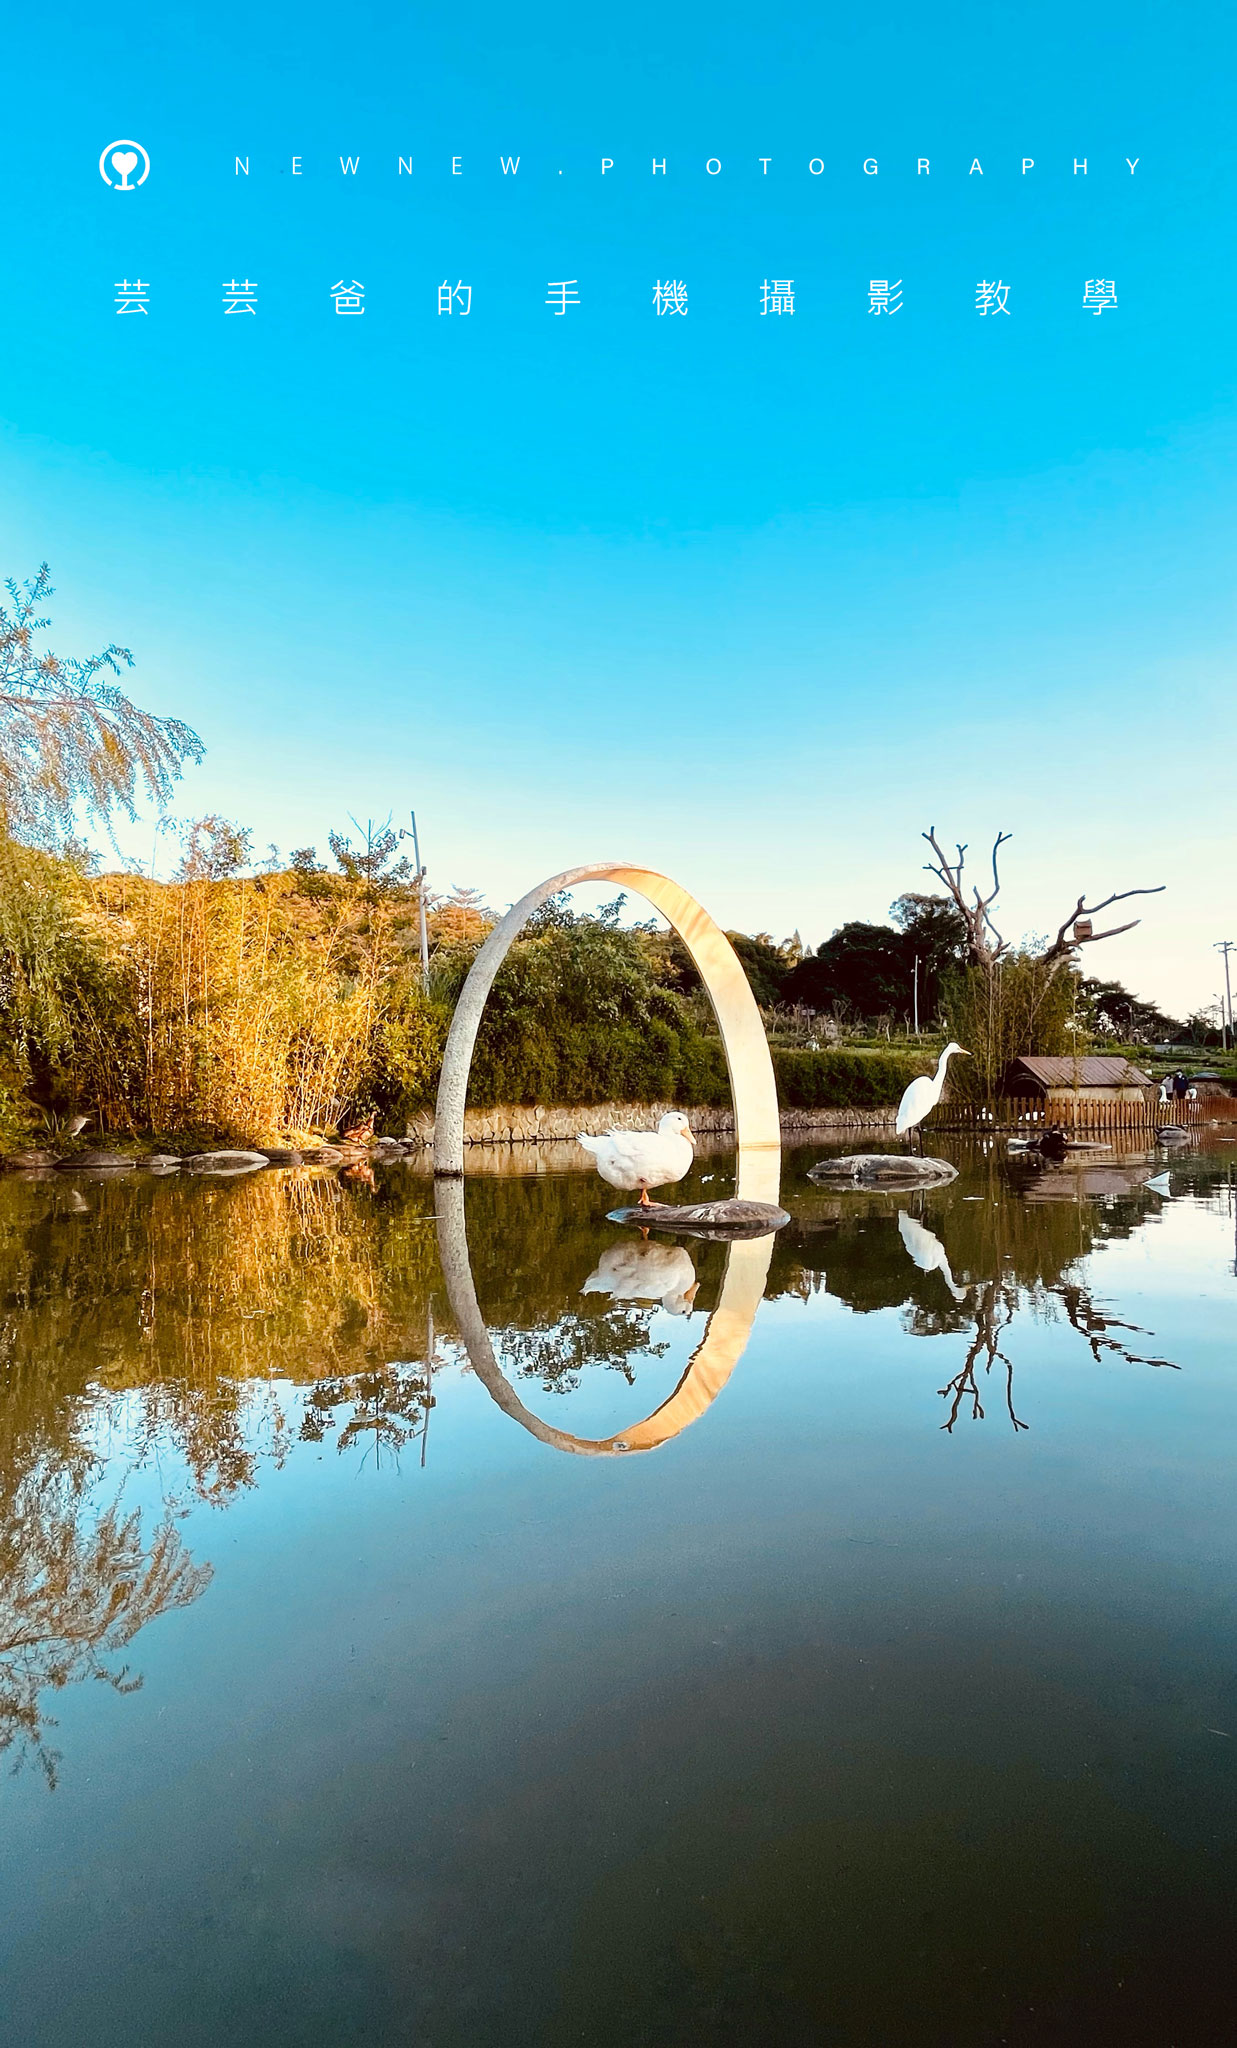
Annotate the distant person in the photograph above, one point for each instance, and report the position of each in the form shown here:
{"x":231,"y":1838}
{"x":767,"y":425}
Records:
{"x":1179,"y":1085}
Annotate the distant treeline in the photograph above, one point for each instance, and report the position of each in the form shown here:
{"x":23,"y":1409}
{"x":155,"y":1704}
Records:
{"x":241,"y":1003}
{"x":293,"y":1000}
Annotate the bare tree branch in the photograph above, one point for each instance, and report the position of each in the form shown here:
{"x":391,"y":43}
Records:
{"x":1063,"y":945}
{"x":984,"y":941}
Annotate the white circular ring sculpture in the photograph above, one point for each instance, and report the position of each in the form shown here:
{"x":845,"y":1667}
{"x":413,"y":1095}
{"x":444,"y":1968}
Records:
{"x":753,"y":1089}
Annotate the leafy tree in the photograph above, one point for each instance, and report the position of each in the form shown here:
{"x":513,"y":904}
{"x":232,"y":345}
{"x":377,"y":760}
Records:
{"x":461,"y":918}
{"x":213,"y":849}
{"x":1113,"y":1012}
{"x":70,"y":739}
{"x":935,"y":934}
{"x":310,"y":874}
{"x":867,"y":966}
{"x":766,"y":964}
{"x":377,"y":868}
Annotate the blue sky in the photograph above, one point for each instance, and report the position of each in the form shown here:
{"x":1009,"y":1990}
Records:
{"x":751,"y":599}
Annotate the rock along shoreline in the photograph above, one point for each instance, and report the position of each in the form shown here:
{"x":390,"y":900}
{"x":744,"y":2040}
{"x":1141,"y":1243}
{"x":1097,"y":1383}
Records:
{"x":503,"y":1126}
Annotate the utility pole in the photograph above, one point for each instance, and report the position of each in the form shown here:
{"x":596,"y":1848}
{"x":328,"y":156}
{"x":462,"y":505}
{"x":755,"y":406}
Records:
{"x":416,"y":855}
{"x":1226,"y":947}
{"x":916,"y":995}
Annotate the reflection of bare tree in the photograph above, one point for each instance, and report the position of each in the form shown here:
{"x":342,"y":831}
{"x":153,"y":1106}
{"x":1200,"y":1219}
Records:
{"x":75,"y":1588}
{"x":994,"y":1304}
{"x":1090,"y":1322}
{"x":993,"y":1307}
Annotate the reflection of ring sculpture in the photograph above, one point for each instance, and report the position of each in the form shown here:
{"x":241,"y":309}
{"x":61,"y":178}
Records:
{"x":757,"y":1131}
{"x":709,"y":1368}
{"x":757,"y":1125}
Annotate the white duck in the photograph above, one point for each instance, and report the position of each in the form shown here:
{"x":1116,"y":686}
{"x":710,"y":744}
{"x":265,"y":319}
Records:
{"x":646,"y":1272}
{"x":644,"y":1159}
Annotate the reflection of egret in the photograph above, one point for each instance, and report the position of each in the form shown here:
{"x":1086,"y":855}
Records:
{"x":924,"y":1093}
{"x":927,"y":1251}
{"x":646,"y":1272}
{"x":709,"y":1367}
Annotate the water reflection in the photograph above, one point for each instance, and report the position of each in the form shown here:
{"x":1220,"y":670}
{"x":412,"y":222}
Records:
{"x":1011,"y":1238}
{"x":78,"y":1580}
{"x":710,"y":1366}
{"x":926,"y":1251}
{"x":220,"y":1327}
{"x":644,"y":1271}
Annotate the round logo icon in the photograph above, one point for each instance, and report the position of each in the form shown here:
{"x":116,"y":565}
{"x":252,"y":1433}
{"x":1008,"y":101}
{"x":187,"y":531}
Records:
{"x":118,"y":163}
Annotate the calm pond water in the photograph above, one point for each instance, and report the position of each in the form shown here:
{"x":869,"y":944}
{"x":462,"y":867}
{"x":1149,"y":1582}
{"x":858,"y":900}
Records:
{"x":358,"y":1686}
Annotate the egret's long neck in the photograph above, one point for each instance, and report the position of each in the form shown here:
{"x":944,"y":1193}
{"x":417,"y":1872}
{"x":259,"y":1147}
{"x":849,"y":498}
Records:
{"x":941,"y":1065}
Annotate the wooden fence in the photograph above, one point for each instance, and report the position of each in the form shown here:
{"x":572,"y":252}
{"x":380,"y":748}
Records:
{"x":1077,"y":1113}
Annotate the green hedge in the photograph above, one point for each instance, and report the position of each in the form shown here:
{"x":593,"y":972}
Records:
{"x":659,"y":1064}
{"x":843,"y":1080}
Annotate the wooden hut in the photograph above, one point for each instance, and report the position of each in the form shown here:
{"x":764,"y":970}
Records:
{"x":1062,"y":1078}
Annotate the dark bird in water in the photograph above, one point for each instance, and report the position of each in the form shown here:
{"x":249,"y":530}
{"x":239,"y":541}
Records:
{"x":1053,"y":1144}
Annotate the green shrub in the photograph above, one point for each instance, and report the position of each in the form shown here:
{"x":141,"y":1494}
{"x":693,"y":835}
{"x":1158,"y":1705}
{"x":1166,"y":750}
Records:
{"x":843,"y":1080}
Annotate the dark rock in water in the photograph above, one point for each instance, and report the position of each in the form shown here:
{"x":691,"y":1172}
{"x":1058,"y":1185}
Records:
{"x":225,"y":1162}
{"x":706,"y":1219}
{"x":113,"y":1162}
{"x":322,"y":1155}
{"x":157,"y":1162}
{"x":283,"y":1155}
{"x":1173,"y":1134}
{"x":30,"y":1158}
{"x":883,"y":1170}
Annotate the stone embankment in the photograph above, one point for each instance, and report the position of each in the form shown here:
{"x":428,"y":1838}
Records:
{"x":485,"y":1127}
{"x":527,"y":1126}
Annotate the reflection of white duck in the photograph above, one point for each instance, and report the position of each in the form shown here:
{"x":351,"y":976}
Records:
{"x":644,"y":1159}
{"x":646,"y":1272}
{"x":927,"y":1251}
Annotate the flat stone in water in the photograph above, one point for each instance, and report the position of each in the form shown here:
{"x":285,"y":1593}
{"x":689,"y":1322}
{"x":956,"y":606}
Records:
{"x":30,"y":1158}
{"x":113,"y":1162}
{"x":883,"y":1169}
{"x":225,"y":1162}
{"x":731,"y":1218}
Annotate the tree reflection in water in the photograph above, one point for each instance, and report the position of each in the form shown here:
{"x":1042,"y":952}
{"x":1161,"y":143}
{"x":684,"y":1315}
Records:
{"x":222,"y":1325}
{"x":76,"y":1585}
{"x":1009,"y":1238}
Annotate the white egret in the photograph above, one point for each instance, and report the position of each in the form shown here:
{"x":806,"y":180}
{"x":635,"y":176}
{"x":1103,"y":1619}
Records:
{"x":924,"y":1093}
